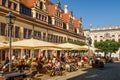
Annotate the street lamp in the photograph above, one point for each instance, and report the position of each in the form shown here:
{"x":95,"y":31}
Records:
{"x":10,"y":19}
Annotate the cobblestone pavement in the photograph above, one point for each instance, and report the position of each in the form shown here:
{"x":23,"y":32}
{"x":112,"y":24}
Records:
{"x":66,"y":75}
{"x":110,"y":72}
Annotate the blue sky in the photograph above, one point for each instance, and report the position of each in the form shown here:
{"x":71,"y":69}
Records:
{"x":99,"y":13}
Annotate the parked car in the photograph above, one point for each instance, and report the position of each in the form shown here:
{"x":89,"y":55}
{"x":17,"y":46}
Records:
{"x":97,"y":64}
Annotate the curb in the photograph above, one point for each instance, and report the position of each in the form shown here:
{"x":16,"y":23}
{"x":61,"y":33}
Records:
{"x":68,"y":75}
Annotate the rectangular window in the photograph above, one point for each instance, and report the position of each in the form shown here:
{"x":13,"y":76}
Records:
{"x":25,"y":33}
{"x":42,"y":18}
{"x":15,"y":6}
{"x":25,"y":10}
{"x":3,"y":2}
{"x":35,"y":34}
{"x":48,"y":37}
{"x":3,"y":29}
{"x":64,"y":26}
{"x":3,"y":55}
{"x":39,"y":35}
{"x":75,"y":30}
{"x":101,"y":36}
{"x":113,"y":35}
{"x":61,"y":39}
{"x":17,"y":32}
{"x":37,"y":17}
{"x":51,"y":38}
{"x":45,"y":19}
{"x":56,"y":39}
{"x":95,"y":36}
{"x":95,"y":41}
{"x":65,"y":39}
{"x":21,"y":9}
{"x":9,"y":4}
{"x":44,"y":36}
{"x":29,"y":34}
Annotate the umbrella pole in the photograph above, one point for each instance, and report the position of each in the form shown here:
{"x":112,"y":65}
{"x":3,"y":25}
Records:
{"x":32,"y":53}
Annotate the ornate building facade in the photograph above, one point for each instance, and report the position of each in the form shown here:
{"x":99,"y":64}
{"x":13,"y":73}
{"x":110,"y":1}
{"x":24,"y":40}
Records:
{"x":49,"y":21}
{"x":104,"y":33}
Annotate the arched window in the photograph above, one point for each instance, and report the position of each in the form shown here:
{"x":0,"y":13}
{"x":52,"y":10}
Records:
{"x":41,"y":5}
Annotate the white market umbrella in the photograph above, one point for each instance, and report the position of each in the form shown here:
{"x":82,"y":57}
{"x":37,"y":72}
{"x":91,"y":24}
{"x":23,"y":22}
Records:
{"x":68,"y":46}
{"x":2,"y":45}
{"x":32,"y":44}
{"x":85,"y":47}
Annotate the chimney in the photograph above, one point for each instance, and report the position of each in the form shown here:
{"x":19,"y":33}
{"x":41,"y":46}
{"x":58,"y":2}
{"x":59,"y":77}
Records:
{"x":66,"y":9}
{"x":81,"y":19}
{"x":71,"y":13}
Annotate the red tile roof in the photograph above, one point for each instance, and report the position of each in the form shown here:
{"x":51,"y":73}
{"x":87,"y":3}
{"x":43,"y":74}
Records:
{"x":76,"y":23}
{"x":28,"y":3}
{"x":51,"y":9}
{"x":49,"y":3}
{"x":65,"y":17}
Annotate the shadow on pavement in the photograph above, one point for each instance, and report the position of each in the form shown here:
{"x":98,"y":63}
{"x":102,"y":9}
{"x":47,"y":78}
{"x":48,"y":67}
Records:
{"x":97,"y":73}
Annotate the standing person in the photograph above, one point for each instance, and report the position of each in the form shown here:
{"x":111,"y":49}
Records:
{"x":33,"y":68}
{"x":63,"y":58}
{"x":5,"y":65}
{"x":13,"y":57}
{"x":21,"y":65}
{"x":6,"y":60}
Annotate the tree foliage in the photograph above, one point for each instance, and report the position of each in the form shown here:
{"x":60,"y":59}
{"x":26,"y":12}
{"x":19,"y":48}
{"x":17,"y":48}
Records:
{"x":108,"y":46}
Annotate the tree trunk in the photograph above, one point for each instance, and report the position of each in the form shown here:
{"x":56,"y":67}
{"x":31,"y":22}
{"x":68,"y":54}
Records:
{"x":105,"y":57}
{"x":110,"y":54}
{"x":105,"y":54}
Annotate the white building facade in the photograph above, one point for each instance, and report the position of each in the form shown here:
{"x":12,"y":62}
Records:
{"x":104,"y":33}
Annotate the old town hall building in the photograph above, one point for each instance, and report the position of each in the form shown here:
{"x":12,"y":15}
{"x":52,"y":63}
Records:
{"x":49,"y":21}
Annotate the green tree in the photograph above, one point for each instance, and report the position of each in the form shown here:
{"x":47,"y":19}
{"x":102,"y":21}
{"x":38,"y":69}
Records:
{"x":108,"y":46}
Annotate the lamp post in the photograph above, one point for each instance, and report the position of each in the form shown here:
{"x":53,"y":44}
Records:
{"x":10,"y":18}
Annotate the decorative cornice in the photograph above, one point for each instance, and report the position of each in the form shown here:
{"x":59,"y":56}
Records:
{"x":105,"y":28}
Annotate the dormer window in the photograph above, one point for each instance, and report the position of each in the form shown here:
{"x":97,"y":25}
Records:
{"x":41,"y":5}
{"x":58,"y":13}
{"x":15,"y":6}
{"x":3,"y":2}
{"x":9,"y":4}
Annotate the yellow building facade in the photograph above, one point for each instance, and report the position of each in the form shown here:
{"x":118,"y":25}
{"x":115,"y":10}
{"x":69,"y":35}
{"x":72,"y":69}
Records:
{"x":46,"y":19}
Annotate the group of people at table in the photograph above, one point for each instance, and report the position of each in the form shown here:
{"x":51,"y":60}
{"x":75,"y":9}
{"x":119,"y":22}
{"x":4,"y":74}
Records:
{"x":54,"y":65}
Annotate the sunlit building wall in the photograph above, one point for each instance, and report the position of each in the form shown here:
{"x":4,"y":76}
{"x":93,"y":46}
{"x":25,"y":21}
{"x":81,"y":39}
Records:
{"x":49,"y":22}
{"x":104,"y":33}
